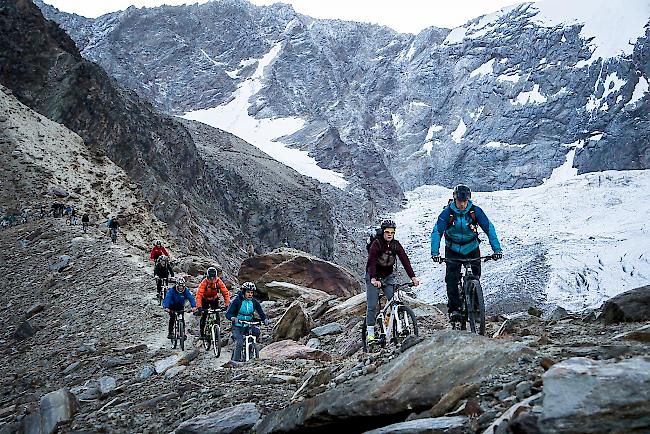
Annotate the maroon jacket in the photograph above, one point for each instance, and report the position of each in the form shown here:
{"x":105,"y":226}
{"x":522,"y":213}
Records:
{"x":380,"y":246}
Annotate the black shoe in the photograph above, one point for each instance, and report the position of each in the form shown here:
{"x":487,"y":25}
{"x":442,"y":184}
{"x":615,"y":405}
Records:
{"x":454,"y":316}
{"x":170,"y":336}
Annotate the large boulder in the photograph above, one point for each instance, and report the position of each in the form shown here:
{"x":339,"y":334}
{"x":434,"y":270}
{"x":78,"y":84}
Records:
{"x":437,"y":425}
{"x":413,"y":381}
{"x":630,"y":306}
{"x":299,"y":268}
{"x":289,"y":349}
{"x":591,"y":396}
{"x":294,"y":324}
{"x":233,"y":420}
{"x":289,"y":291}
{"x":54,"y":407}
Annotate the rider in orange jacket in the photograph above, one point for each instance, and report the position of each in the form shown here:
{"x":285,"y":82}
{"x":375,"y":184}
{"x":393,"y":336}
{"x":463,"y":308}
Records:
{"x":207,"y":295}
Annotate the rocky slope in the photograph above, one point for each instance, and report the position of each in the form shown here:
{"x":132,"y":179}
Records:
{"x":90,"y":325}
{"x":500,"y":100}
{"x":208,"y":199}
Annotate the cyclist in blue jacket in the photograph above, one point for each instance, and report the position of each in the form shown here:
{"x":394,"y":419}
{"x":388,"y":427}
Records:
{"x":459,"y":223}
{"x":242,"y":308}
{"x":175,"y":301}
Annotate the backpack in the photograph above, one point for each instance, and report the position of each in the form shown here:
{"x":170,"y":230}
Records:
{"x":472,"y":215}
{"x":383,"y":259}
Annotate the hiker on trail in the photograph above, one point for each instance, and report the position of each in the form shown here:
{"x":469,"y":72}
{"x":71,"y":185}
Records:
{"x":459,"y":222}
{"x":250,"y":250}
{"x":382,"y":253}
{"x":157,"y":250}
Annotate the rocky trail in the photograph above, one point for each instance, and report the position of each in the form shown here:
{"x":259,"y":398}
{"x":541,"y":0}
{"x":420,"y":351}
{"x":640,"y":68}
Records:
{"x":81,"y":316}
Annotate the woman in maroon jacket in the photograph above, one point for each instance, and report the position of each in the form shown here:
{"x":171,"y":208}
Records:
{"x":379,"y":271}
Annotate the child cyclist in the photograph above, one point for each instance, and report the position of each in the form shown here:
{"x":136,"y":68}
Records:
{"x":175,"y":301}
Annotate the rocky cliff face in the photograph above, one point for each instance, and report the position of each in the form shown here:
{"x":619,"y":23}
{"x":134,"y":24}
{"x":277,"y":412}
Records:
{"x":213,"y":202}
{"x":499,"y":102}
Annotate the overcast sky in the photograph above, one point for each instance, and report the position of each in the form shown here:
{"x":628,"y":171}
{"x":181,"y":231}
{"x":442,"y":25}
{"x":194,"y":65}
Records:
{"x":402,"y":15}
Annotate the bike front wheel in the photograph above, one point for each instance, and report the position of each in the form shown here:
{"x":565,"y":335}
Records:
{"x":181,"y":334}
{"x":216,"y":340}
{"x":404,"y":325}
{"x":475,"y":307}
{"x":253,"y":351}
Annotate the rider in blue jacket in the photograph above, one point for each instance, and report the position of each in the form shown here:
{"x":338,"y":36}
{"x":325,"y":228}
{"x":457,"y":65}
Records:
{"x":242,"y":308}
{"x":459,"y":223}
{"x":175,"y":301}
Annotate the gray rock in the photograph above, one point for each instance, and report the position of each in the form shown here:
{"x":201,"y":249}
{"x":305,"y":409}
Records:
{"x":59,"y":192}
{"x":174,"y":371}
{"x":434,"y":425}
{"x":61,"y":264}
{"x":87,"y":392}
{"x":55,"y":407}
{"x":25,"y":330}
{"x":113,"y":362}
{"x":106,"y":385}
{"x":313,"y":343}
{"x":37,"y":308}
{"x":174,"y":360}
{"x":312,"y":379}
{"x":71,"y":367}
{"x":523,"y":389}
{"x":233,"y":420}
{"x":555,"y":314}
{"x":418,"y":378}
{"x":146,"y":372}
{"x":587,"y":396}
{"x":630,"y":306}
{"x":328,"y":329}
{"x":294,"y":324}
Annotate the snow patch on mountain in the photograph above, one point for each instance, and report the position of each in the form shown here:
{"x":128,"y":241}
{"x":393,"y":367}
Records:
{"x":572,"y":241}
{"x":639,"y":91}
{"x":264,"y":133}
{"x":614,"y":26}
{"x":532,"y":97}
{"x":484,"y":69}
{"x":459,"y":132}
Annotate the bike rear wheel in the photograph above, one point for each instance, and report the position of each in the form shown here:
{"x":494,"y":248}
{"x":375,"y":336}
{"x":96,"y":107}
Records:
{"x":475,"y":307}
{"x":408,"y":324}
{"x":216,"y":340}
{"x":174,"y":338}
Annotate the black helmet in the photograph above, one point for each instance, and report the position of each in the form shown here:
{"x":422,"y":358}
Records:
{"x":248,"y":286}
{"x":462,"y":192}
{"x":211,"y":273}
{"x":388,"y":224}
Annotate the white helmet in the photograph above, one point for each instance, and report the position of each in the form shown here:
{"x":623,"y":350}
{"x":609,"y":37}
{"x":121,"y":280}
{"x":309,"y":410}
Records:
{"x":180,"y":284}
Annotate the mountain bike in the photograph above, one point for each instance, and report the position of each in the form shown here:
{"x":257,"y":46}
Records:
{"x":394,"y":322}
{"x":178,"y":336}
{"x":472,"y":303}
{"x":114,"y":235}
{"x":250,"y":349}
{"x":212,"y":332}
{"x":162,"y":284}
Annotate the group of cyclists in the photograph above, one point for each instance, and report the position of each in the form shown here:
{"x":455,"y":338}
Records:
{"x":240,"y":309}
{"x":458,"y":223}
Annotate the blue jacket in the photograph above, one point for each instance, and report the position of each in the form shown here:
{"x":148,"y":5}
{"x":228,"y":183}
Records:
{"x":175,"y":301}
{"x":243,"y":309}
{"x":460,"y":233}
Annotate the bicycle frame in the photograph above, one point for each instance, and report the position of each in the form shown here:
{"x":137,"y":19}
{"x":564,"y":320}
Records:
{"x":390,"y":310}
{"x":249,"y":338}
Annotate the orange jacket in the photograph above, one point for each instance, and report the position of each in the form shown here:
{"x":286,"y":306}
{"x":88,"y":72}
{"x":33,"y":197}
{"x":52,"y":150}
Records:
{"x":208,"y":290}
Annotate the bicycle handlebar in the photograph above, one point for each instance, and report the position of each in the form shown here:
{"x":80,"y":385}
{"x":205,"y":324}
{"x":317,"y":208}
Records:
{"x":254,"y":322}
{"x":468,"y":260}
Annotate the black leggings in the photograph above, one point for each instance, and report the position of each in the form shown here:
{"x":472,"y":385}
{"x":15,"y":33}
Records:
{"x":452,"y":277}
{"x":205,"y":304}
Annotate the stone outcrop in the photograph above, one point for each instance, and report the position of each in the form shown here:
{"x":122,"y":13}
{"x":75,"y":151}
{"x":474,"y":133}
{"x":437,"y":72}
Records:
{"x":299,"y":268}
{"x":232,"y":420}
{"x":415,"y":381}
{"x":293,"y":324}
{"x":589,"y":396}
{"x":630,"y":306}
{"x":288,"y":349}
{"x":55,"y":407}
